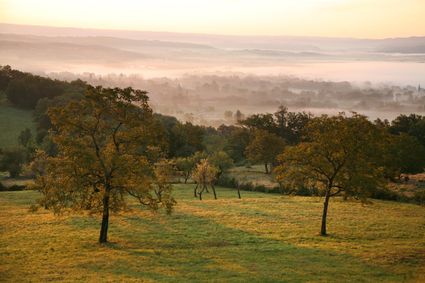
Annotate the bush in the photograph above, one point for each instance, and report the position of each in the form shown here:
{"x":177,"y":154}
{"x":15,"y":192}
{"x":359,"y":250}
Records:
{"x":12,"y":188}
{"x":385,"y":194}
{"x":419,"y":197}
{"x":12,"y":160}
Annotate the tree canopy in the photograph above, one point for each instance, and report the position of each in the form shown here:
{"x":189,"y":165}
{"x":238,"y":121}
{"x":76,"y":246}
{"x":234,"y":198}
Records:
{"x":103,"y":143}
{"x":264,"y":147}
{"x":338,"y":156}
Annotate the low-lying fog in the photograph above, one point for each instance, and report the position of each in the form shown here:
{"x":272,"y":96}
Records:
{"x":206,"y":79}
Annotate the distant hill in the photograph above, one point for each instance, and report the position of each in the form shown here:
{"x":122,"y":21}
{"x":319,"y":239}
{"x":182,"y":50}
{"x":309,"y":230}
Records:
{"x":186,"y":40}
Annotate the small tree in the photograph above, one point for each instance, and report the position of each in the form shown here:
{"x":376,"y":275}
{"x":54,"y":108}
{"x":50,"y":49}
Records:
{"x":103,"y":141}
{"x":339,"y":156}
{"x":185,"y":165}
{"x":204,"y":175}
{"x":264,"y":147}
{"x":222,"y":161}
{"x":26,"y":140}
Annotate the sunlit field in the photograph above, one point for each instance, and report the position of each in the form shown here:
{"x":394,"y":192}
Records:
{"x":259,"y":238}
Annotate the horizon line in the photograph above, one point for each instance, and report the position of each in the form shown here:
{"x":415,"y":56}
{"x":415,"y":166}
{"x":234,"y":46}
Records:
{"x":205,"y":34}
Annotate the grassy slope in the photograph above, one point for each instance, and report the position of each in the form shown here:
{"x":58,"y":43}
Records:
{"x":260,"y":238}
{"x":12,"y":122}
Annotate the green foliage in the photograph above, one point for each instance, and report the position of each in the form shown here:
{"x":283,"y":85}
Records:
{"x":24,"y":90}
{"x":237,"y":141}
{"x":214,"y":143}
{"x":41,"y":117}
{"x":340,"y":155}
{"x":402,"y":154}
{"x":12,"y":160}
{"x":264,"y":147}
{"x":413,"y":125}
{"x":222,"y":161}
{"x":186,"y":139}
{"x":185,"y":165}
{"x":287,"y":125}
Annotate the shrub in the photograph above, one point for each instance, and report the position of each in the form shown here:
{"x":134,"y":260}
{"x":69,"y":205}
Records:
{"x":419,"y":197}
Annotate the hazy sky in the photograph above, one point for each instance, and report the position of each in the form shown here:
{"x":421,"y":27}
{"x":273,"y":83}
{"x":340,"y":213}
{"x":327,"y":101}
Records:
{"x":341,"y":18}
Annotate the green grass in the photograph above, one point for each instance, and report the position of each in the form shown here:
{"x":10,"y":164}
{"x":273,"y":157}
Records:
{"x":254,"y":174}
{"x":12,"y":122}
{"x":259,"y":238}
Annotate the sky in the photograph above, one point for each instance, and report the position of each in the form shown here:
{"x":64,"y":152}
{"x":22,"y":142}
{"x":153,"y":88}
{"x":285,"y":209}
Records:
{"x":332,"y":18}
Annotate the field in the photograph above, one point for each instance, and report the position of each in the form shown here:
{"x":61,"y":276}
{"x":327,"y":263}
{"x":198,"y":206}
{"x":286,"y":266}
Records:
{"x":259,"y":238}
{"x":12,"y":122}
{"x":254,"y":174}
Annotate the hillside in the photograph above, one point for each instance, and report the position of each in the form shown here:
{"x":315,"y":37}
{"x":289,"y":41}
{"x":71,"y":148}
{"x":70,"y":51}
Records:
{"x":260,"y":238}
{"x":12,"y":122}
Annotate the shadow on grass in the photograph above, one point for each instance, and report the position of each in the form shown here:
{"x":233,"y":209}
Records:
{"x":183,"y":248}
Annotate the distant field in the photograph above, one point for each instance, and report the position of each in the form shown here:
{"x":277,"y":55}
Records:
{"x":260,"y":238}
{"x":12,"y":122}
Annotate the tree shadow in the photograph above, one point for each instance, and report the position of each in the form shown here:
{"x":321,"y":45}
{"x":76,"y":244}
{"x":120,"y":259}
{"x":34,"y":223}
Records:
{"x":184,"y":247}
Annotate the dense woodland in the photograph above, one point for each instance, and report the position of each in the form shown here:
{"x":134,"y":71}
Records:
{"x":110,"y":141}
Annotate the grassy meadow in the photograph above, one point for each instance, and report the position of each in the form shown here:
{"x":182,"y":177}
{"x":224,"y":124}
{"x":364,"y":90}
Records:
{"x":12,"y":122}
{"x":259,"y":238}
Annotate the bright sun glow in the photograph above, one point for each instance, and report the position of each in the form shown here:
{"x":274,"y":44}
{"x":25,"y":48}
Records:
{"x":342,"y":18}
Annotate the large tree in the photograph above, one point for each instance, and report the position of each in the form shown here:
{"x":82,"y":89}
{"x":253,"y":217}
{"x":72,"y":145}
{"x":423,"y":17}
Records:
{"x":103,"y":143}
{"x":338,"y":157}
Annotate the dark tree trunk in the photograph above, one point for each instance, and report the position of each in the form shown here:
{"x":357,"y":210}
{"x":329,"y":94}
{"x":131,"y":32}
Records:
{"x":220,"y":172}
{"x":103,"y":238}
{"x":325,"y":213}
{"x":194,"y":191}
{"x":215,"y":195}
{"x":267,"y":168}
{"x":239,"y":193}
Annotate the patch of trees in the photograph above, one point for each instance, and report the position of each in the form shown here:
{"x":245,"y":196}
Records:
{"x":24,"y":90}
{"x":12,"y":160}
{"x":287,"y":125}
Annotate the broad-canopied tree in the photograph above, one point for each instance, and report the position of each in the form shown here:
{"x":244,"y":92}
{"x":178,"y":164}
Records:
{"x":103,"y":145}
{"x":339,"y":156}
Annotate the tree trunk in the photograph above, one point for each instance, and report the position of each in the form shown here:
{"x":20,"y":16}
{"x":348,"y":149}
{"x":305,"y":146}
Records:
{"x":325,"y":213}
{"x":267,"y":168}
{"x":215,"y":195}
{"x":239,"y":193}
{"x":103,"y":238}
{"x":194,"y":191}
